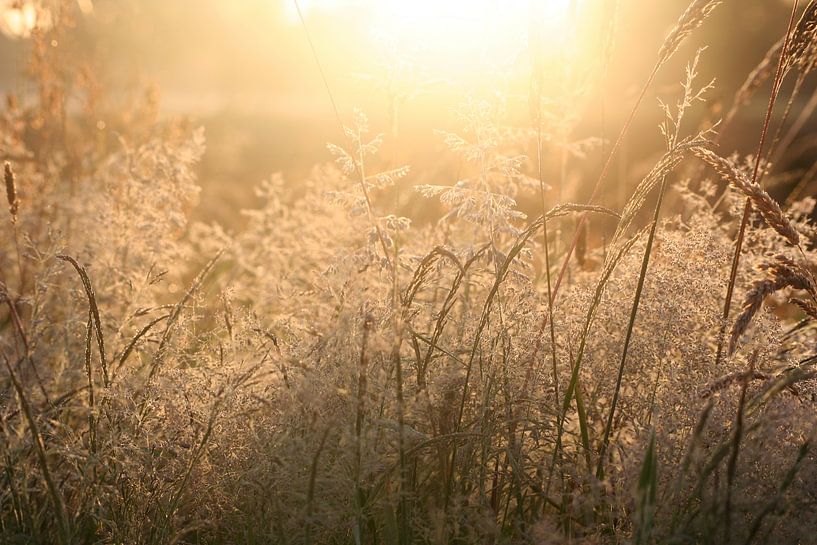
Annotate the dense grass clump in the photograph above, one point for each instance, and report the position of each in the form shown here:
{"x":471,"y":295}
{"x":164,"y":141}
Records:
{"x":343,"y":369}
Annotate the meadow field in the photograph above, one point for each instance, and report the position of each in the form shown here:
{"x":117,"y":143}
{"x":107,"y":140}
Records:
{"x":542,"y":273}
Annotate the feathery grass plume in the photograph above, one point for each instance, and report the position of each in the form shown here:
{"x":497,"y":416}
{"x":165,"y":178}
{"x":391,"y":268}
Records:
{"x":690,"y":20}
{"x":11,"y":191}
{"x":802,"y":52}
{"x":781,"y":273}
{"x":768,"y":208}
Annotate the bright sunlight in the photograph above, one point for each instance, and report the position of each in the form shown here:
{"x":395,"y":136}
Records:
{"x":454,"y":36}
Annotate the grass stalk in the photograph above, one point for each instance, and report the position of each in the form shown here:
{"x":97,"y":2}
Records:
{"x":42,"y":458}
{"x":672,"y":135}
{"x":310,"y":490}
{"x":732,"y":465}
{"x":747,"y":208}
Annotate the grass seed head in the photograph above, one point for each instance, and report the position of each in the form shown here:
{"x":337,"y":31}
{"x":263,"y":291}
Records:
{"x":781,"y":273}
{"x":802,"y":52}
{"x":768,"y":208}
{"x":11,"y":191}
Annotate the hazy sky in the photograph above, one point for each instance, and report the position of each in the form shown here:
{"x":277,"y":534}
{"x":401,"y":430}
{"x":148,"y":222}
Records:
{"x":253,"y":56}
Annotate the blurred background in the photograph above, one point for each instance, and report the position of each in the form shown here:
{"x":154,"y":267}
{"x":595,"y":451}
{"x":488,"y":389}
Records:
{"x":245,"y":70}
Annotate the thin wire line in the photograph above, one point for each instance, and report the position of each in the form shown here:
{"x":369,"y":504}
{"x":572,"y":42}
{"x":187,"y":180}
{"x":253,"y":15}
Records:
{"x":318,"y":63}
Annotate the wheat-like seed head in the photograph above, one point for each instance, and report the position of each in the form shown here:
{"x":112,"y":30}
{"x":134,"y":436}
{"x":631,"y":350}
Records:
{"x":691,"y":19}
{"x":802,"y":52}
{"x":781,"y":273}
{"x":11,"y":191}
{"x":768,"y":208}
{"x":726,"y":381}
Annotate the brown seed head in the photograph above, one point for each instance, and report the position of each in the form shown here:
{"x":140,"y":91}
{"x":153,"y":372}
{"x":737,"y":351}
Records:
{"x":11,"y":191}
{"x":782,"y":272}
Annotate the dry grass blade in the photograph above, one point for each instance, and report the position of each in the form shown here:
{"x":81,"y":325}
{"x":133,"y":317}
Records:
{"x":780,"y":273}
{"x":423,"y":270}
{"x":572,"y":390}
{"x":42,"y":458}
{"x":94,"y":310}
{"x":726,"y":381}
{"x":5,"y":297}
{"x":773,"y":504}
{"x":310,"y":491}
{"x":442,"y":315}
{"x":132,"y":344}
{"x":768,"y":208}
{"x":732,"y":464}
{"x":761,"y":73}
{"x":502,"y":272}
{"x":360,"y":416}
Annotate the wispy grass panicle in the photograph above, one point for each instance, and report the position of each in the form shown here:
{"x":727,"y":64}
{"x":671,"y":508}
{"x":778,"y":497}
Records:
{"x":694,"y":16}
{"x":690,"y":20}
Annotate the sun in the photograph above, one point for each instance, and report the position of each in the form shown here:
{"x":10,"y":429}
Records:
{"x":439,"y":13}
{"x":451,"y":21}
{"x":454,"y":36}
{"x":430,"y":11}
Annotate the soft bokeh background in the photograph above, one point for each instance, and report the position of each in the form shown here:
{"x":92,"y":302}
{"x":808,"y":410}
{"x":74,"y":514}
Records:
{"x":244,"y":70}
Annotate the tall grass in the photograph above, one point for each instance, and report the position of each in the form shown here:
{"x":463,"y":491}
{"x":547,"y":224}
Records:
{"x":344,"y":370}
